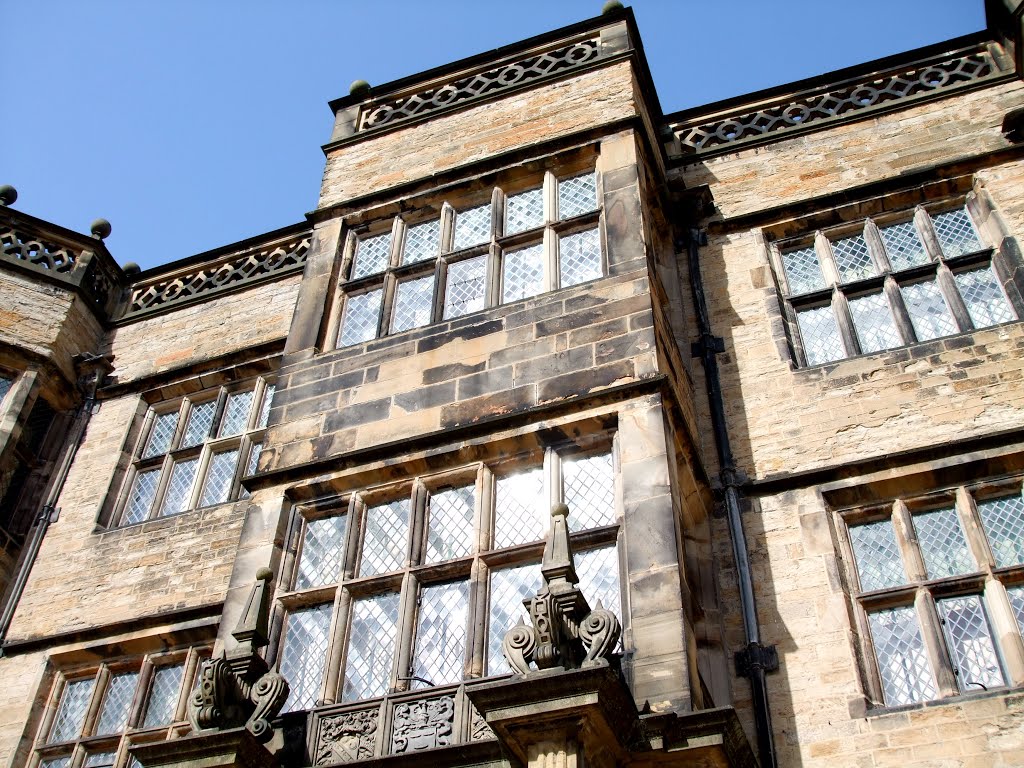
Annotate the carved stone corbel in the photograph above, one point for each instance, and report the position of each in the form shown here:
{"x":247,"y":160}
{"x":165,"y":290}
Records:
{"x":565,"y":631}
{"x":238,"y":688}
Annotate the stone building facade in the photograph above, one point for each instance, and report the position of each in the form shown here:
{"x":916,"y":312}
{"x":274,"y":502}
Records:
{"x":767,"y":351}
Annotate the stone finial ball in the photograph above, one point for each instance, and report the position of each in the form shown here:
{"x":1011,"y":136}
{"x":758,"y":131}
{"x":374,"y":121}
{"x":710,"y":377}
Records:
{"x":264,"y":574}
{"x":611,"y":6}
{"x":131,"y":268}
{"x":100,"y":229}
{"x":359,"y":88}
{"x":560,"y":509}
{"x":8,"y":194}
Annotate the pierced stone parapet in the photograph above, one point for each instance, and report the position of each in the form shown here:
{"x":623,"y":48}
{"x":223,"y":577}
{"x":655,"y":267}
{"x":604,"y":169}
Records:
{"x":60,"y":256}
{"x":757,"y":122}
{"x":229,"y":272}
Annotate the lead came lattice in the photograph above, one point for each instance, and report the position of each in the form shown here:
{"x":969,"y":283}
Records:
{"x":520,"y":508}
{"x":820,"y":335}
{"x":163,"y":695}
{"x":878,"y":558}
{"x":1003,"y":520}
{"x":803,"y":270}
{"x":305,"y":648}
{"x":372,"y":254}
{"x":579,"y":257}
{"x":956,"y":233}
{"x":903,"y":245}
{"x":441,"y":633}
{"x":523,"y":273}
{"x":524,"y":211}
{"x":942,"y":543}
{"x":928,"y":311}
{"x":902,"y":662}
{"x":509,"y":587}
{"x":589,"y":491}
{"x":577,"y":195}
{"x":371,"y":647}
{"x":387,"y":531}
{"x":970,"y":643}
{"x":360,"y":321}
{"x":872,"y":318}
{"x":472,"y":226}
{"x":450,"y":529}
{"x":853,"y":259}
{"x":466,"y":287}
{"x":985,"y":301}
{"x":322,"y":546}
{"x":413,"y":303}
{"x":422,"y":241}
{"x":221,"y":472}
{"x":117,"y":703}
{"x":68,"y":722}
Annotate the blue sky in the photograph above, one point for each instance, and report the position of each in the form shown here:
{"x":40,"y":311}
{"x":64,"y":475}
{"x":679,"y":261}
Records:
{"x":190,"y":125}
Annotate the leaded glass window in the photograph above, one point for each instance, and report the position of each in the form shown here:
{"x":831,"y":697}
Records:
{"x":388,"y":576}
{"x":930,"y":587}
{"x":853,"y":293}
{"x":514,"y":244}
{"x":125,"y":696}
{"x":195,"y":451}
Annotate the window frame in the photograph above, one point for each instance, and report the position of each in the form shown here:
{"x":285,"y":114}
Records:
{"x":247,"y":441}
{"x":923,"y":593}
{"x":418,"y":573}
{"x":87,"y":741}
{"x":939,"y":269}
{"x":548,"y":233}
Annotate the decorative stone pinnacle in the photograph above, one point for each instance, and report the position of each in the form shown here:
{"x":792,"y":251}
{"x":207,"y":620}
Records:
{"x":131,"y":269}
{"x":359,"y":88}
{"x":564,"y":631}
{"x":8,"y":194}
{"x":611,"y":6}
{"x":239,"y":689}
{"x":100,"y":229}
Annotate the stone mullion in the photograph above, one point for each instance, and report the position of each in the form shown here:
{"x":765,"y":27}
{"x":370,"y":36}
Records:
{"x":337,"y":647}
{"x":476,"y":640}
{"x":935,"y":643}
{"x":192,"y":661}
{"x":14,"y":412}
{"x":408,"y":609}
{"x":944,"y":278}
{"x":1005,"y":629}
{"x":844,"y":321}
{"x":92,"y":711}
{"x":891,"y":290}
{"x":970,"y":521}
{"x":906,"y":540}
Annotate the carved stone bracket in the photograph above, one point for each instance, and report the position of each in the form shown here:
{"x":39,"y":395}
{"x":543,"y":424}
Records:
{"x":238,"y":688}
{"x":565,"y":632}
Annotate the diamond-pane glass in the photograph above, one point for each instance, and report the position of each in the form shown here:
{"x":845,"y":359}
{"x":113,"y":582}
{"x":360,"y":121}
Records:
{"x":902,"y":662}
{"x":472,"y":226}
{"x":598,"y":571}
{"x":803,"y":271}
{"x":928,"y":311}
{"x":1003,"y":520}
{"x":985,"y":301}
{"x":956,"y":233}
{"x":876,"y":328}
{"x":5,"y":387}
{"x":117,"y":702}
{"x":220,"y":473}
{"x":322,"y":546}
{"x":577,"y":195}
{"x":236,"y":413}
{"x":589,"y":490}
{"x":179,"y":488}
{"x":67,"y":724}
{"x":522,"y":273}
{"x":1016,"y":595}
{"x":878,"y":557}
{"x":422,"y":241}
{"x":386,"y":537}
{"x":140,"y":500}
{"x":441,"y":633}
{"x":942,"y":543}
{"x":903,"y":246}
{"x":100,"y":759}
{"x":359,"y":322}
{"x":254,"y":459}
{"x":853,"y":259}
{"x":509,"y":587}
{"x":160,"y":437}
{"x":372,"y":255}
{"x":413,"y":303}
{"x":268,"y":398}
{"x":521,"y":508}
{"x":970,"y":643}
{"x":820,"y":334}
{"x":163,"y":695}
{"x":450,"y":529}
{"x":200,"y":419}
{"x":305,"y":654}
{"x":64,"y":761}
{"x":579,"y":257}
{"x":524,"y":211}
{"x":465,"y":287}
{"x":371,"y":647}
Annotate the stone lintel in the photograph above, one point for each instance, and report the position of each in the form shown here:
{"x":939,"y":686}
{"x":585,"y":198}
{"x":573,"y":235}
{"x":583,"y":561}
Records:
{"x":234,"y":748}
{"x":587,"y":709}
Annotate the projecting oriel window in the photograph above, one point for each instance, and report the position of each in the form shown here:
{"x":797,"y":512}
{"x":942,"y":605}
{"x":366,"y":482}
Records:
{"x":511,"y":244}
{"x":394,"y":576}
{"x":891,"y":282}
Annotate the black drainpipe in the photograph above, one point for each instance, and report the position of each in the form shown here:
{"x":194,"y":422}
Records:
{"x":91,"y":369}
{"x":755,"y":660}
